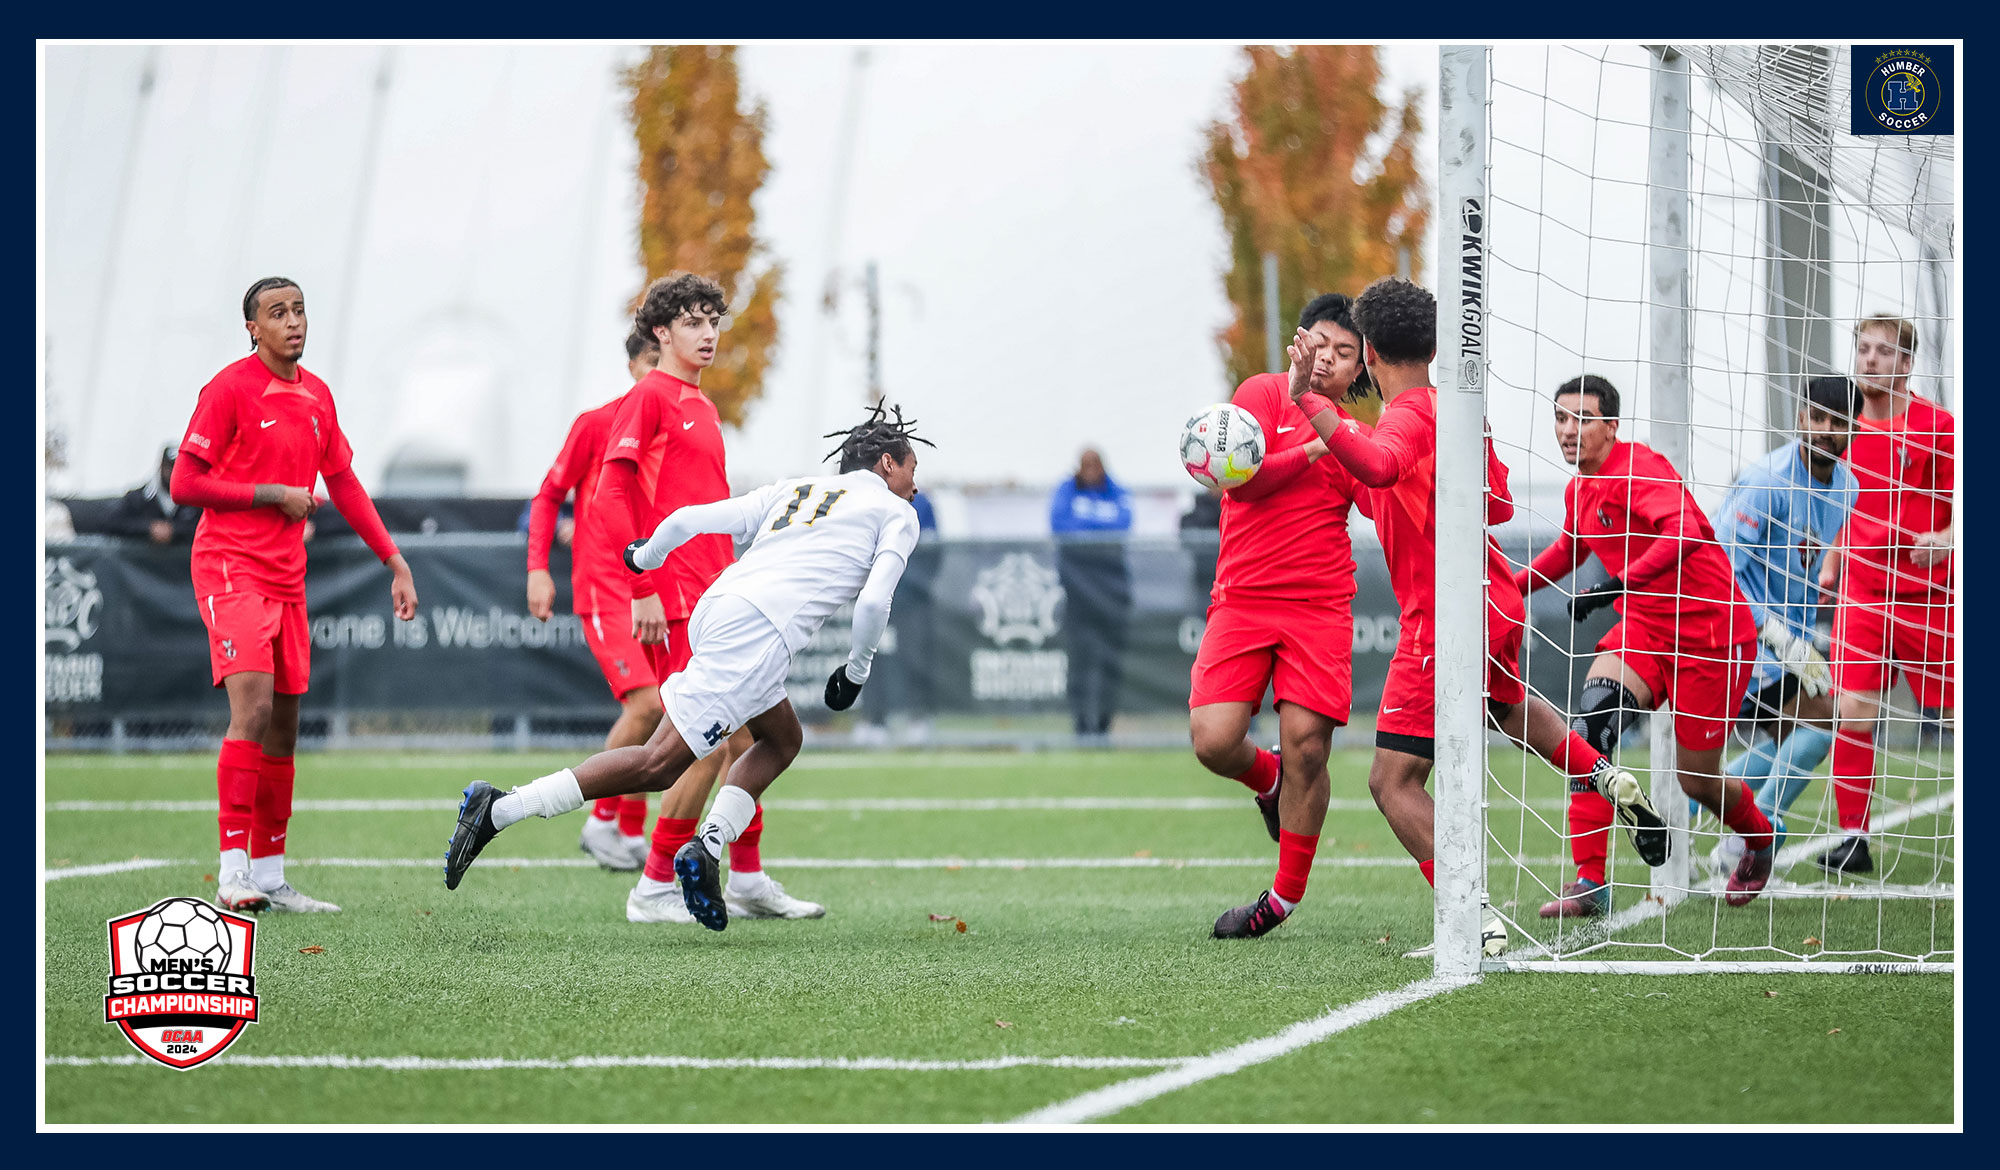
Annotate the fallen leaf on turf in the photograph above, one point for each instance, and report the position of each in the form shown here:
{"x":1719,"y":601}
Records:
{"x":1843,"y":897}
{"x":1770,"y":995}
{"x":425,"y":913}
{"x":944,"y":918}
{"x":961,"y":926}
{"x":1812,"y":942}
{"x":1384,"y":939}
{"x":1143,"y":853}
{"x":208,"y":877}
{"x":953,"y":868}
{"x":1833,"y":1031}
{"x":312,"y":950}
{"x":1003,"y":1023}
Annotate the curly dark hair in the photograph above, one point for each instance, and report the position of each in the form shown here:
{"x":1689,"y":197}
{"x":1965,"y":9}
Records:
{"x":670,"y":296}
{"x":1598,"y":388}
{"x":1399,"y":318}
{"x":638,"y":342}
{"x":878,"y":435}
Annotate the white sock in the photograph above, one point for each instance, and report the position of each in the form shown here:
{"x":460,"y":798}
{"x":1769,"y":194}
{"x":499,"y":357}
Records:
{"x":550,"y":796}
{"x":233,"y":860}
{"x":727,"y":818}
{"x":268,"y":872}
{"x":1281,"y":904}
{"x":747,"y":880}
{"x":648,"y":888}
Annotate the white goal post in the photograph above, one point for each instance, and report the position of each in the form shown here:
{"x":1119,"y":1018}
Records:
{"x":1696,"y":224}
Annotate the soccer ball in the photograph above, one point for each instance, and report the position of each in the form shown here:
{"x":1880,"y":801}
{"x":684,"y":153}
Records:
{"x":1222,"y":447}
{"x":182,"y":934}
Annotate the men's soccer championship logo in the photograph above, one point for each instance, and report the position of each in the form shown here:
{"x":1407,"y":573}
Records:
{"x":182,"y":983}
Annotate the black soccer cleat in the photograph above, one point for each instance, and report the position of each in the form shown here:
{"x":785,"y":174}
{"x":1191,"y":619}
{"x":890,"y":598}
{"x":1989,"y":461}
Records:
{"x":1258,"y":918}
{"x":701,"y":885}
{"x":475,"y":829}
{"x":1267,"y":806}
{"x":1634,"y":809}
{"x":632,"y":550}
{"x":1850,"y":856}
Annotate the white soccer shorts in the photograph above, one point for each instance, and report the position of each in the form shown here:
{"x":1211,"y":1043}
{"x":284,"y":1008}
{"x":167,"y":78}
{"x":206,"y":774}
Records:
{"x":735,"y":672}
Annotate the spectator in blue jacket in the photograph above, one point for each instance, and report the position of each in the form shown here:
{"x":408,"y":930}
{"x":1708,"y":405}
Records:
{"x":1089,"y":515}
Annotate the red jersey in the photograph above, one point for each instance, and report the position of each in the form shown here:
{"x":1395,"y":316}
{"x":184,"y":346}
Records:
{"x":1904,"y":469}
{"x":599,"y":582}
{"x":1284,"y":533}
{"x":1619,"y":513}
{"x":671,"y":433}
{"x":250,"y":426}
{"x":1406,"y":516}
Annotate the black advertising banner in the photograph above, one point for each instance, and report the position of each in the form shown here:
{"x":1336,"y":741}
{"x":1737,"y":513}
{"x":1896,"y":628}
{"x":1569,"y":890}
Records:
{"x":995,"y":628}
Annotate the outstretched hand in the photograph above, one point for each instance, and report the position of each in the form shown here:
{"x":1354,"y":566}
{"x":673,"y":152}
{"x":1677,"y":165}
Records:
{"x":1304,"y":352}
{"x":840,"y":690}
{"x":1589,"y":601}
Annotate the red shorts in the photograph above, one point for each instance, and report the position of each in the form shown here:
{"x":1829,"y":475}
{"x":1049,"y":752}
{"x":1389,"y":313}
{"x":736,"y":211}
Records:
{"x":625,"y":663}
{"x":1705,"y":685}
{"x":1303,"y":650}
{"x":672,"y":655}
{"x":1409,"y":692}
{"x":1875,"y":638}
{"x":247,"y":632}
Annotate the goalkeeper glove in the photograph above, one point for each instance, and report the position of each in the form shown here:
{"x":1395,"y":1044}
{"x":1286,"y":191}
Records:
{"x":1798,"y":656}
{"x":841,"y":691}
{"x":1589,"y":601}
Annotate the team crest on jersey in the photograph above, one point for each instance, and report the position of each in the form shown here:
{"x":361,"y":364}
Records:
{"x":228,"y":648}
{"x":1604,"y":518}
{"x":183,"y":983}
{"x":624,"y":671}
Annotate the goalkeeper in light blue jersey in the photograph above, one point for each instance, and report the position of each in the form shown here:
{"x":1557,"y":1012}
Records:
{"x":1777,"y":523}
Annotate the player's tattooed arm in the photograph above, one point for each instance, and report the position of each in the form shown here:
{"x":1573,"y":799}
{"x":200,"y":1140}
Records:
{"x":295,"y":503}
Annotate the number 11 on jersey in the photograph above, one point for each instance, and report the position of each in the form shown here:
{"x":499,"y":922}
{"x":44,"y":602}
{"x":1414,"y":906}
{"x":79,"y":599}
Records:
{"x":802,"y":494}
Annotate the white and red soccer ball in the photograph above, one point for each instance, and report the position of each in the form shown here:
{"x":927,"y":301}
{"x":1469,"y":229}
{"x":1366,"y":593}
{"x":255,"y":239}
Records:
{"x":1222,"y":447}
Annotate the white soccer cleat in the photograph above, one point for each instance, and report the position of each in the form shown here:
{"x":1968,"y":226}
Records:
{"x":760,"y":896}
{"x":665,"y":906}
{"x":288,"y":899}
{"x":639,"y":847}
{"x":235,"y":891}
{"x":604,"y":843}
{"x":1492,"y":940}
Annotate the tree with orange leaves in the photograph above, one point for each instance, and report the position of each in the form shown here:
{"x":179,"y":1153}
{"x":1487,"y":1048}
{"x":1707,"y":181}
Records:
{"x":1293,"y":174}
{"x":701,"y":159}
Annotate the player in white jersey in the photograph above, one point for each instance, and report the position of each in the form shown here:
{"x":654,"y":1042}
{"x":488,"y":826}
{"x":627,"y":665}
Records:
{"x":815,"y":545}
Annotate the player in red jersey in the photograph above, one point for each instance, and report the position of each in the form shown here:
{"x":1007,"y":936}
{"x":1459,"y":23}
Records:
{"x":601,"y":595}
{"x":264,"y":430}
{"x":665,"y":452}
{"x":1687,"y":637}
{"x":1893,"y":570}
{"x":1398,"y":463}
{"x":1278,"y":614}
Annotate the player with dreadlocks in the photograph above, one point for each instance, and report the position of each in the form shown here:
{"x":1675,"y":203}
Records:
{"x":815,"y":544}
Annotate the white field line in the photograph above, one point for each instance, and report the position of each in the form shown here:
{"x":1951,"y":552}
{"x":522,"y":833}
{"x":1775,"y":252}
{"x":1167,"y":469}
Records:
{"x":944,"y":863}
{"x":484,"y":1064}
{"x":1125,"y":1094}
{"x":1789,"y":856}
{"x":780,"y":804}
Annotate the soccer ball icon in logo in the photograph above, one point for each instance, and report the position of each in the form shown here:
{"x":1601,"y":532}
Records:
{"x":181,"y":934}
{"x":1222,"y":447}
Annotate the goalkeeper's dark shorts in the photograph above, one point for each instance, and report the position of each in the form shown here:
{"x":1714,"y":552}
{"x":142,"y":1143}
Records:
{"x":1767,"y":703}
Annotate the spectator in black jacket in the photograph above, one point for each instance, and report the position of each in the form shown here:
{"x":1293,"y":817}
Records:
{"x":149,"y":512}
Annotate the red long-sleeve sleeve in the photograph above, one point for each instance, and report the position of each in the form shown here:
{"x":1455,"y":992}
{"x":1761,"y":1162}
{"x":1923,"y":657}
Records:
{"x":347,"y":494}
{"x":1365,"y":458}
{"x":1275,"y":472}
{"x":1499,"y":501}
{"x":1550,"y":565}
{"x":618,"y":505}
{"x":195,"y":485}
{"x":1676,"y":540}
{"x":546,"y":508}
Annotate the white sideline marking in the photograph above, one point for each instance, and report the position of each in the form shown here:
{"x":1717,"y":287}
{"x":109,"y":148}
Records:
{"x":479,"y":1064}
{"x":1125,"y":1094}
{"x":780,"y":804}
{"x":1790,"y":855}
{"x":52,"y":875}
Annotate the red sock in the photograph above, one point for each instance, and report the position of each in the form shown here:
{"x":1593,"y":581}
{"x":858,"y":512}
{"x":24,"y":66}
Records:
{"x":744,"y":856}
{"x":1589,"y":832}
{"x":236,"y":790}
{"x":1429,"y":868}
{"x":605,"y":808}
{"x":1744,"y":816}
{"x":1262,"y":774}
{"x":272,"y":811}
{"x":669,"y":834}
{"x":1575,"y":756}
{"x":1853,"y":777}
{"x":1295,"y":864}
{"x":631,"y":815}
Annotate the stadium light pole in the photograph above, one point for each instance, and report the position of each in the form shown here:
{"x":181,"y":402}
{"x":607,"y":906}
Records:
{"x":1668,"y":318}
{"x":1274,"y":344}
{"x":1462,"y":219}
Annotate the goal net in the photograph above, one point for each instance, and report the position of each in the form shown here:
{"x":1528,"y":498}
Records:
{"x":1697,"y":226}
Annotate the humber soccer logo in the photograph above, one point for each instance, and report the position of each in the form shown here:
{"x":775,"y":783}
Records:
{"x":182,"y":985}
{"x":1902,"y":90}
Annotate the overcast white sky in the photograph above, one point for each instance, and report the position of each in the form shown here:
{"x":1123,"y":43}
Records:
{"x":1049,"y":261}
